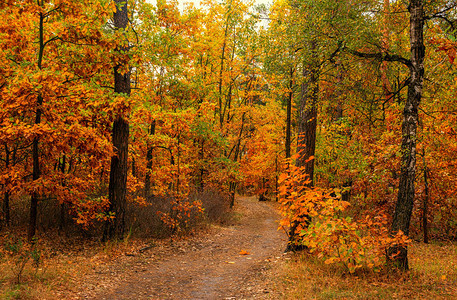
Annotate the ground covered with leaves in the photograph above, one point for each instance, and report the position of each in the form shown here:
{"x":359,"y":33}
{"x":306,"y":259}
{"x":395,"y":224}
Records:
{"x":221,"y":262}
{"x":242,"y":259}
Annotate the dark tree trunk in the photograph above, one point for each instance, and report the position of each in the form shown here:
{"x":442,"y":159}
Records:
{"x":221,"y":70}
{"x":117,"y":188}
{"x":6,"y":196}
{"x":133,"y":164}
{"x":35,"y":176}
{"x":276,"y":179}
{"x":386,"y":87}
{"x":307,"y":125}
{"x":147,"y":180}
{"x":289,"y":113}
{"x":405,"y":200}
{"x":36,"y":172}
{"x":6,"y":209}
{"x":337,"y":111}
{"x":62,"y":205}
{"x":233,"y":184}
{"x":307,"y":118}
{"x":202,"y":170}
{"x":425,"y":204}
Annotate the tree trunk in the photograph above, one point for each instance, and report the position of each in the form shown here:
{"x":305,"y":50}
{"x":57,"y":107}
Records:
{"x":36,"y":172}
{"x":147,"y":180}
{"x":276,"y":179}
{"x":221,"y":70}
{"x":6,"y":196}
{"x":117,"y":188}
{"x":289,"y":113}
{"x":233,"y":184}
{"x":425,"y":204}
{"x":62,"y":205}
{"x":405,"y":200}
{"x":386,"y":87}
{"x":202,"y":171}
{"x":307,"y":125}
{"x":307,"y":118}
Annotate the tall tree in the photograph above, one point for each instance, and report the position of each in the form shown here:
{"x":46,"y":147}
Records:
{"x":406,"y":191}
{"x":117,"y":189}
{"x":36,"y":173}
{"x":307,"y":115}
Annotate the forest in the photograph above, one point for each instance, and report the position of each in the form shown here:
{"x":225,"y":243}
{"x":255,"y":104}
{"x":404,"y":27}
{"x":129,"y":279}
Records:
{"x":125,"y":122}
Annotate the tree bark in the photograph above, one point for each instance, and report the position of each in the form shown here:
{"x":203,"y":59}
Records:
{"x":36,"y":172}
{"x":202,"y":170}
{"x":405,"y":200}
{"x":289,"y":113}
{"x":426,"y":201}
{"x":307,"y":125}
{"x":386,"y":87}
{"x":233,"y":184}
{"x":6,"y":196}
{"x":117,"y":188}
{"x":307,"y":118}
{"x":221,"y":70}
{"x":147,"y":180}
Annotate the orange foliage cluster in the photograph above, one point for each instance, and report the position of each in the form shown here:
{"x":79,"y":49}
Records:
{"x":198,"y":113}
{"x":326,"y":228}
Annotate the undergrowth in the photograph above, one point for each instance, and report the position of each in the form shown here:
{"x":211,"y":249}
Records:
{"x":433,"y":275}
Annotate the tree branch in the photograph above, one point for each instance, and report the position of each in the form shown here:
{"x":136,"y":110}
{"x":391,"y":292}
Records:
{"x":381,"y":57}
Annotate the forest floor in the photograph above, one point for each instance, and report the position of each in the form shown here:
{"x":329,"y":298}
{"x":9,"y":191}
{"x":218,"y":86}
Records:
{"x":234,"y":262}
{"x":242,"y":260}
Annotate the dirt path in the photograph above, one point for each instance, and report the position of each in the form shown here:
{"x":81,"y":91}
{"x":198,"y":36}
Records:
{"x":210,"y":266}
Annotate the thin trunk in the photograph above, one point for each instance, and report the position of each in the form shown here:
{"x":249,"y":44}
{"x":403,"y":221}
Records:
{"x":6,"y":196}
{"x":179,"y":164}
{"x":233,"y":184}
{"x":117,"y":188}
{"x":133,"y":162}
{"x":62,"y":205}
{"x":6,"y":208}
{"x":385,"y":45}
{"x":426,"y":201}
{"x":228,"y":102}
{"x":405,"y":200}
{"x":337,"y":114}
{"x":202,"y":171}
{"x":276,"y":180}
{"x":147,"y":183}
{"x":289,"y":113}
{"x":36,"y":172}
{"x":221,"y":70}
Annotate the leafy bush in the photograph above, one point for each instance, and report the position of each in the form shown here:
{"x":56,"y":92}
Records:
{"x":323,"y":226}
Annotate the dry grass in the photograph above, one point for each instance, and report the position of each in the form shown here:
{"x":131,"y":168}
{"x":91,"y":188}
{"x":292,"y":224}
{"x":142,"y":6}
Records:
{"x":67,"y":260}
{"x":64,"y":265}
{"x":433,"y":275}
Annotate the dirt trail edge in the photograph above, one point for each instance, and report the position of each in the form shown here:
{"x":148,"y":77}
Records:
{"x":211,"y":266}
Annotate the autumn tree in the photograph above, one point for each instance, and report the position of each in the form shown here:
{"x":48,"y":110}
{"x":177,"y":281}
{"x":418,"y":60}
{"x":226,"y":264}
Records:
{"x":48,"y":76}
{"x":415,"y":64}
{"x":119,"y":162}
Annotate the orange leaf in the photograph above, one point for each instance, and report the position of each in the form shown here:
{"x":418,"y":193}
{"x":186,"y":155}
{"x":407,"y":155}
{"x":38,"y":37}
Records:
{"x":309,"y":159}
